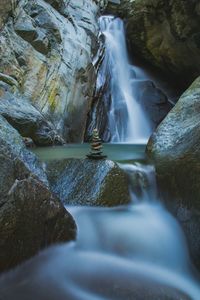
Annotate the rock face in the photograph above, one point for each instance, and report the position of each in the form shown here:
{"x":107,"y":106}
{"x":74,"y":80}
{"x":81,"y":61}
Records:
{"x":46,"y":52}
{"x":30,"y":217}
{"x":6,"y":9}
{"x":23,"y":116}
{"x":88,"y":182}
{"x":175,"y":148}
{"x":165,"y":33}
{"x":153,"y":101}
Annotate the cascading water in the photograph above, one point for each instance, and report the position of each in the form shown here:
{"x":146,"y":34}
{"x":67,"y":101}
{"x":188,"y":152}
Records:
{"x":132,"y":252}
{"x":127,"y":121}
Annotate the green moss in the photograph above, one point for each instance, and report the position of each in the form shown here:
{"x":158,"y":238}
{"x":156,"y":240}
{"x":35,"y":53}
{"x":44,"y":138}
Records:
{"x":53,"y":98}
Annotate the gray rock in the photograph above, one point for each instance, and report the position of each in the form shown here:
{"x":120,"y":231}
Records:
{"x":175,"y":149}
{"x":88,"y":182}
{"x":165,"y":33}
{"x":28,"y":28}
{"x":30,"y":217}
{"x":154,"y":102}
{"x":24,"y":117}
{"x":57,"y":4}
{"x":24,"y":26}
{"x":48,"y":47}
{"x":11,"y":144}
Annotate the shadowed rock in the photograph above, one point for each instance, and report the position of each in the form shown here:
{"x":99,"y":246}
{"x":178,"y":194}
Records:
{"x":165,"y":33}
{"x":30,"y":217}
{"x":175,"y":149}
{"x":24,"y":117}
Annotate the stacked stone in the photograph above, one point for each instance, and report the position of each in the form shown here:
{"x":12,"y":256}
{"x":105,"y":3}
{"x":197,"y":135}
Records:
{"x":96,"y":146}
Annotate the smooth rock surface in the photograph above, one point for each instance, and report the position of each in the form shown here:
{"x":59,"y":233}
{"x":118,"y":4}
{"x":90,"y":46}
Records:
{"x":88,"y":182}
{"x":30,"y":217}
{"x":24,"y":117}
{"x":165,"y":33}
{"x":175,"y":149}
{"x":47,"y":48}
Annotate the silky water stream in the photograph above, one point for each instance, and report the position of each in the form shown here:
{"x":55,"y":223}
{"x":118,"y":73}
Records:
{"x":134,"y":252}
{"x":127,"y":121}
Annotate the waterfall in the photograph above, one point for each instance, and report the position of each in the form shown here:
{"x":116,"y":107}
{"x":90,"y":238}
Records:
{"x":127,"y":121}
{"x":137,"y":251}
{"x":142,"y":182}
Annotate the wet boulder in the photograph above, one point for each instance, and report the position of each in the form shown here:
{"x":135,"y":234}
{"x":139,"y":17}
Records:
{"x":31,"y":218}
{"x":88,"y":182}
{"x":175,"y":150}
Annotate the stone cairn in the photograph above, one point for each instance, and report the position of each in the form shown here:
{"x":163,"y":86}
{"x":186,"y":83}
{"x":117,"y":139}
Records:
{"x":96,"y":147}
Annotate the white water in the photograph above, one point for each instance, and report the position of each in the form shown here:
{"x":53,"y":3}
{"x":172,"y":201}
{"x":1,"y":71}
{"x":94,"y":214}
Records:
{"x":124,"y":253}
{"x":127,"y":121}
{"x":141,"y":241}
{"x":133,"y":252}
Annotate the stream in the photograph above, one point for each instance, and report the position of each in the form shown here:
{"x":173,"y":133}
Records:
{"x":136,"y":252}
{"x":133,"y":252}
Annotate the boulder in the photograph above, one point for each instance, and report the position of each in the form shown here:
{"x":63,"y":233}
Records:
{"x":88,"y":182}
{"x":31,"y":218}
{"x":24,"y":117}
{"x":165,"y":33}
{"x":175,"y":150}
{"x":47,"y":48}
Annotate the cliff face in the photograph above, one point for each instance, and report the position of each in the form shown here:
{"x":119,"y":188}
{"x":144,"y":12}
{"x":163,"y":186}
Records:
{"x":165,"y":33}
{"x":46,"y":52}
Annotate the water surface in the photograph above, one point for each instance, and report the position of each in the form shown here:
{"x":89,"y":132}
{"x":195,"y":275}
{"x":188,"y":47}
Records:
{"x":116,"y":152}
